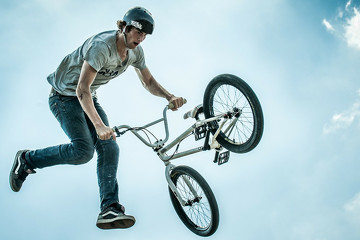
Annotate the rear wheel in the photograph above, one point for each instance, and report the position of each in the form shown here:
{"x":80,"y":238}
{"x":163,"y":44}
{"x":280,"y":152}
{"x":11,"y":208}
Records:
{"x":200,"y":213}
{"x":243,"y":129}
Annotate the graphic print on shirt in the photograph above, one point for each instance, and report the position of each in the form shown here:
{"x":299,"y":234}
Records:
{"x":108,"y":73}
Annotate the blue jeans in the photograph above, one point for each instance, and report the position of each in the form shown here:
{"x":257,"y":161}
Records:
{"x":80,"y":150}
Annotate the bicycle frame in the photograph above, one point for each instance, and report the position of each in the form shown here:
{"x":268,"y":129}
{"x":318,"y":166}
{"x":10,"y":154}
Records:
{"x":159,"y":145}
{"x":162,"y":150}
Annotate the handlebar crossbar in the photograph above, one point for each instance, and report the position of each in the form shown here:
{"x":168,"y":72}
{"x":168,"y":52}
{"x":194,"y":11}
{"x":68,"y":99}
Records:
{"x":136,"y":129}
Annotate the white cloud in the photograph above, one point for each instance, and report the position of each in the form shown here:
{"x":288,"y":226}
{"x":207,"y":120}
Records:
{"x":344,"y":119}
{"x":354,"y":204}
{"x":340,"y":14}
{"x":347,"y":25}
{"x":348,"y":5}
{"x":352,"y":30}
{"x":352,"y":208}
{"x":328,"y":26}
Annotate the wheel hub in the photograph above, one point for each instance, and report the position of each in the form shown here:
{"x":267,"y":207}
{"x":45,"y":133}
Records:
{"x":237,"y":112}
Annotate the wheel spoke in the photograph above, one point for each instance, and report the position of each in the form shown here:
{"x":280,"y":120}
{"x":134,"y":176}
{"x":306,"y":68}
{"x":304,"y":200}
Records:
{"x":226,"y":99}
{"x":198,"y":212}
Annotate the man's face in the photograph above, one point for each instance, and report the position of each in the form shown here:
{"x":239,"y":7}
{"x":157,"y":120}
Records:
{"x":134,"y":37}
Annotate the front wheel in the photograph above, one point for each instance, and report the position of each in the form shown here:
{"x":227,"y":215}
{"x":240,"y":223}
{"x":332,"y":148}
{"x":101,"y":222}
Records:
{"x":200,"y":213}
{"x":230,"y":95}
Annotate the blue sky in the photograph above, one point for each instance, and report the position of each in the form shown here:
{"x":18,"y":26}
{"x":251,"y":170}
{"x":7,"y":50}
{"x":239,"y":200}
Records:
{"x":301,"y":58}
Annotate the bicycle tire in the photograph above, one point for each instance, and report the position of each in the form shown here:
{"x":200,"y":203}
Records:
{"x":191,"y":215}
{"x":227,"y":93}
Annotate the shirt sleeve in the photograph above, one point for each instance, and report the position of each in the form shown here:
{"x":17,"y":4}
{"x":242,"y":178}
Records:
{"x":97,"y":55}
{"x":140,"y":59}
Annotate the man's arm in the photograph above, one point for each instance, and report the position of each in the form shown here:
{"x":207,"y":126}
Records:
{"x":156,"y":89}
{"x":87,"y":76}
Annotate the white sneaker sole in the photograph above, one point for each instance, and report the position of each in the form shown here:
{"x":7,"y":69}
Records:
{"x":118,"y":222}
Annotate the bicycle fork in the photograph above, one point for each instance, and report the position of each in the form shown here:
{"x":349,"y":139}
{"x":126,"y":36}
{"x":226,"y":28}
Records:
{"x":173,"y":188}
{"x":213,"y":145}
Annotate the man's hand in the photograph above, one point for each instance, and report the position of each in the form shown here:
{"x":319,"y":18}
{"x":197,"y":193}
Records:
{"x":176,"y":102}
{"x":105,"y":133}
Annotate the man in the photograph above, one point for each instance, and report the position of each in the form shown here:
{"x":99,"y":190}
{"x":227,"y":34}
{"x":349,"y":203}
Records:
{"x":74,"y":103}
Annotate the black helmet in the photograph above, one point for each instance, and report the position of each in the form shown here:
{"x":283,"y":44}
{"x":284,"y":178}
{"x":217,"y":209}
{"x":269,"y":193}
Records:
{"x":140,"y":18}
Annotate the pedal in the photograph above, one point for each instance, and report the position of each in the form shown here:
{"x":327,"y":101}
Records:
{"x":200,"y":132}
{"x":221,"y":158}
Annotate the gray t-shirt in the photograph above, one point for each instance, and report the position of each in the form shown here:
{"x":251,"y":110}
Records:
{"x":101,"y":53}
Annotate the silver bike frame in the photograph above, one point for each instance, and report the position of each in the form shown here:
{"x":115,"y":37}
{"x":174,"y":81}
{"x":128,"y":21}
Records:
{"x":162,"y":150}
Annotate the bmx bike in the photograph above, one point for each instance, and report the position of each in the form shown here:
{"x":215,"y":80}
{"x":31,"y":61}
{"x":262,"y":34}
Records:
{"x":229,"y":120}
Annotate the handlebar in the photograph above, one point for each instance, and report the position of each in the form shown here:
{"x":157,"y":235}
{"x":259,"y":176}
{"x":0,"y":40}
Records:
{"x":170,"y":105}
{"x":135,"y":130}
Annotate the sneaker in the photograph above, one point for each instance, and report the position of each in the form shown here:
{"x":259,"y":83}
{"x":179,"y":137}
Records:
{"x":114,"y":217}
{"x":19,"y":171}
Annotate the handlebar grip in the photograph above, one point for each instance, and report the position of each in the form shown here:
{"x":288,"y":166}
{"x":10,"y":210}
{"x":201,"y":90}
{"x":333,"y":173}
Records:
{"x":170,"y":105}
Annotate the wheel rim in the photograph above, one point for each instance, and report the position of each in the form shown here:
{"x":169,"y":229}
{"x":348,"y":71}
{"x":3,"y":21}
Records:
{"x":240,"y":126}
{"x":197,"y":209}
